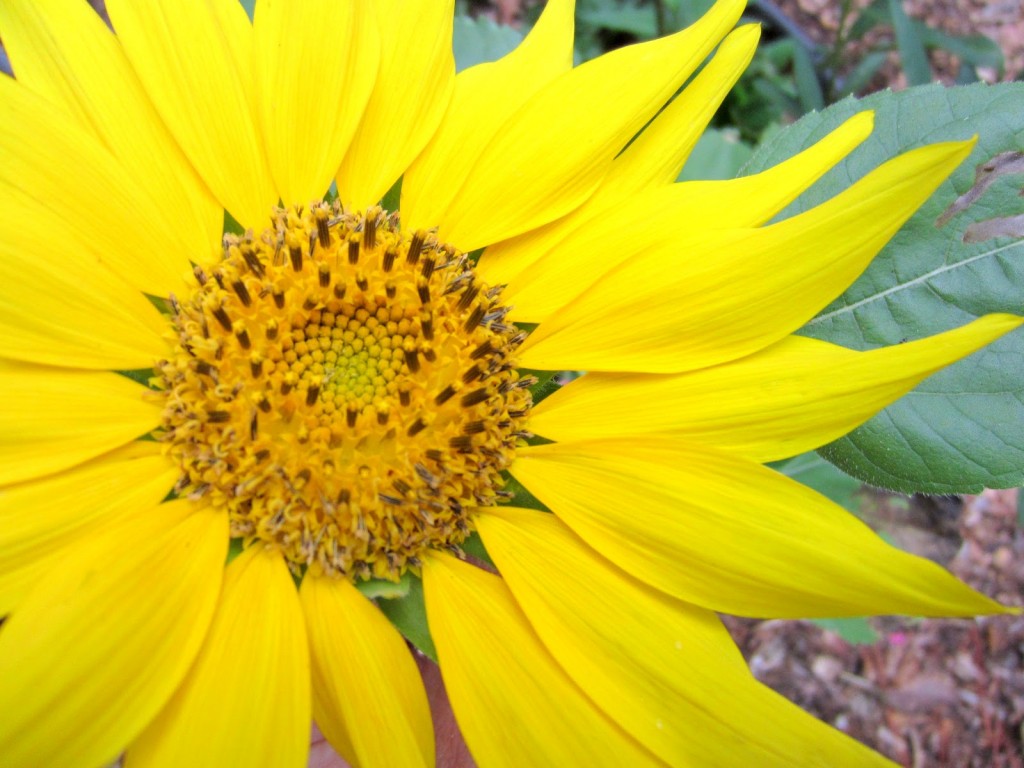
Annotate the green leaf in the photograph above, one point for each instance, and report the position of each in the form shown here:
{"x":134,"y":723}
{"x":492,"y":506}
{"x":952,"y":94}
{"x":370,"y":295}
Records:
{"x":718,"y":154}
{"x":390,"y":590}
{"x":250,"y":7}
{"x":962,"y":429}
{"x":640,"y":21}
{"x":908,"y":40}
{"x":409,"y":615}
{"x":855,"y":630}
{"x":976,"y":50}
{"x":476,"y":41}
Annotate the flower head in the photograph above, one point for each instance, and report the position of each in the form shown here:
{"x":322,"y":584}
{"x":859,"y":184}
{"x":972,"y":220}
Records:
{"x":341,"y":392}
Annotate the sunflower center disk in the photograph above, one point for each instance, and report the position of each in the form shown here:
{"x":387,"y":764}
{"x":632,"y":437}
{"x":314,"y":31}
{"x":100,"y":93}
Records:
{"x":344,"y":391}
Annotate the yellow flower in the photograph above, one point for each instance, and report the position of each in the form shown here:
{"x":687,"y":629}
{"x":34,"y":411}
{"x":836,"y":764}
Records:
{"x":339,"y":390}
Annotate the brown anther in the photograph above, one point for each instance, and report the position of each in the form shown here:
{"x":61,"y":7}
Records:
{"x":256,"y":366}
{"x":427,"y":327}
{"x":390,"y":289}
{"x":344,"y":497}
{"x":295,"y":253}
{"x":484,"y":349}
{"x":382,"y":416}
{"x":217,"y":417}
{"x":401,"y":486}
{"x":462,"y":443}
{"x":361,"y":281}
{"x":350,"y":416}
{"x":310,"y":303}
{"x":415,"y":246}
{"x":389,"y":258}
{"x":404,"y":397}
{"x":475,"y":397}
{"x":474,"y":428}
{"x":312,"y":393}
{"x":278,"y":295}
{"x":468,"y":297}
{"x":423,"y":290}
{"x":270,"y":329}
{"x":353,"y":248}
{"x":429,"y":354}
{"x":370,"y":229}
{"x":200,"y":274}
{"x":412,"y":360}
{"x":253,"y":262}
{"x":428,"y":268}
{"x":243,"y":292}
{"x":472,"y":374}
{"x":416,"y":427}
{"x":323,"y":230}
{"x":434,"y":455}
{"x":474,"y":318}
{"x":254,"y":426}
{"x":444,"y":395}
{"x":324,"y":273}
{"x":263,"y":403}
{"x":222,"y":317}
{"x":242,"y":335}
{"x":339,"y":291}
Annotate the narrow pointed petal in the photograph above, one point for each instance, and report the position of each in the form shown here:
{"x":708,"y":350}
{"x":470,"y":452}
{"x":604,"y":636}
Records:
{"x":414,"y":85}
{"x":100,"y":644}
{"x":40,"y":519}
{"x":58,"y":306}
{"x":436,"y":175}
{"x":104,"y":206}
{"x":792,"y":397}
{"x":246,"y":699}
{"x":619,"y":228}
{"x":736,"y":291}
{"x":194,"y":60}
{"x":54,"y":418}
{"x":62,"y":50}
{"x":368,"y":698}
{"x":549,"y":157}
{"x":657,"y":155}
{"x":666,"y":671}
{"x":726,"y":533}
{"x":527,"y":711}
{"x":315,"y":65}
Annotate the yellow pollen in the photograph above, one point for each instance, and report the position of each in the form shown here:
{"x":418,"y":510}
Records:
{"x":344,"y":391}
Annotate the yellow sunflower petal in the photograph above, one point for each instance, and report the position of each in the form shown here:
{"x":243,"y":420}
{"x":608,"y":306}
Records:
{"x":63,"y":50}
{"x":100,"y":644}
{"x":514,"y":704}
{"x":726,"y":533}
{"x":666,"y":671}
{"x":794,"y":396}
{"x":434,"y":178}
{"x":655,"y":155}
{"x":39,"y":519}
{"x":246,"y":699}
{"x":547,"y":269}
{"x":58,"y":306}
{"x":54,"y":418}
{"x":194,"y":60}
{"x":368,"y":698}
{"x":658,"y":154}
{"x":414,"y":84}
{"x":735,"y":291}
{"x":108,"y":210}
{"x":316,"y":63}
{"x":552,"y":153}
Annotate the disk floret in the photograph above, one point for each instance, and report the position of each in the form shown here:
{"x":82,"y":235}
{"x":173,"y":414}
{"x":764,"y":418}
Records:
{"x":344,"y":391}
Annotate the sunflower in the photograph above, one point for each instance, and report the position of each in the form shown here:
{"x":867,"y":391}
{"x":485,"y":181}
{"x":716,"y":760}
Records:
{"x":215,"y":437}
